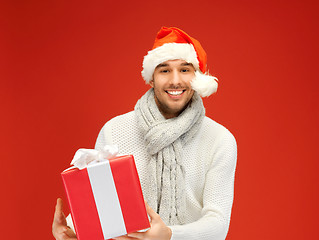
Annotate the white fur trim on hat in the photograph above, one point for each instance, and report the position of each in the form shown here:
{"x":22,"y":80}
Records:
{"x":204,"y":84}
{"x":168,"y":51}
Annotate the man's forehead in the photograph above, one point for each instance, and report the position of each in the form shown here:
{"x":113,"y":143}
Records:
{"x":177,"y":62}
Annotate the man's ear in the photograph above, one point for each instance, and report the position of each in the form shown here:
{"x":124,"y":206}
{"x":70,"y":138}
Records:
{"x":152,"y":83}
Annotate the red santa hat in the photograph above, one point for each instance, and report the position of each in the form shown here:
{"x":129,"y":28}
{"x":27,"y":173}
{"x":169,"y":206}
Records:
{"x":172,"y":43}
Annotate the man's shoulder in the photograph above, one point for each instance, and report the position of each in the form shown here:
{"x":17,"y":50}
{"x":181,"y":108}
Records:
{"x":212,"y":124}
{"x":122,"y":118}
{"x":215,"y":129}
{"x":121,"y":124}
{"x":117,"y":130}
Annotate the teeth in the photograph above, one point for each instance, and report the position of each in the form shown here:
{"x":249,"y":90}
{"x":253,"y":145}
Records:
{"x":175,"y":92}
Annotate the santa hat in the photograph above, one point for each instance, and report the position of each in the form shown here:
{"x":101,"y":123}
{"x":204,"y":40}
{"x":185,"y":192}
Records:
{"x":172,"y":43}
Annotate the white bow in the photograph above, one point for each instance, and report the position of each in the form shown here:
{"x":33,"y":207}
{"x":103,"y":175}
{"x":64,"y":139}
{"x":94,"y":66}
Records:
{"x":83,"y":157}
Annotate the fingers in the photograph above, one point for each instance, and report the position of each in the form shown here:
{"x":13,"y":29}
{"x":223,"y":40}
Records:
{"x":59,"y":205}
{"x":125,"y":237}
{"x":65,"y":236}
{"x":64,"y":233}
{"x":150,"y":211}
{"x":58,"y":214}
{"x":137,"y":235}
{"x":59,"y":227}
{"x":59,"y":230}
{"x":70,"y":234}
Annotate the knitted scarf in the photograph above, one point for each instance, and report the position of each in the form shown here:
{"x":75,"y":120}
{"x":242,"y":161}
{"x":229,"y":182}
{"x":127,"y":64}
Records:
{"x":164,"y":140}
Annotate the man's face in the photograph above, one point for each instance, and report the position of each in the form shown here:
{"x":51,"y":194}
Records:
{"x":172,"y":86}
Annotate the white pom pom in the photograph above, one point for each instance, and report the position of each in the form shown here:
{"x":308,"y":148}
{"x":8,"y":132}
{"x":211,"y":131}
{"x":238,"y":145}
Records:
{"x":204,"y":84}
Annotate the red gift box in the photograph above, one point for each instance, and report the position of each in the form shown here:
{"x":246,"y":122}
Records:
{"x":106,"y":199}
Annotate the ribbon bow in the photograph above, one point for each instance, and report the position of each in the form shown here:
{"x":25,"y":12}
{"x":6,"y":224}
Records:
{"x":84,"y":157}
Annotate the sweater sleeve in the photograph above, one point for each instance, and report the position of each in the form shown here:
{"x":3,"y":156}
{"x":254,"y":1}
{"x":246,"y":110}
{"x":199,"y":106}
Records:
{"x":104,"y":137}
{"x":217,"y":197}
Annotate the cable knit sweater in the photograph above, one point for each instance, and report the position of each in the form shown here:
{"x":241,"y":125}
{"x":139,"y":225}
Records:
{"x":210,"y":162}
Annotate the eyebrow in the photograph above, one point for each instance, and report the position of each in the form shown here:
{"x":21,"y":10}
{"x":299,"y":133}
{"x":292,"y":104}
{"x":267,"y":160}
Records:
{"x":186,"y":64}
{"x":166,"y":65}
{"x":162,"y":65}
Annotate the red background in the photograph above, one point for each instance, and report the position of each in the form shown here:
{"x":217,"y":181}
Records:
{"x":66,"y":67}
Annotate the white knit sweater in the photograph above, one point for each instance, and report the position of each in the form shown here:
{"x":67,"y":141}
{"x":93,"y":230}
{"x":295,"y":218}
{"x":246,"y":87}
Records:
{"x":210,"y":162}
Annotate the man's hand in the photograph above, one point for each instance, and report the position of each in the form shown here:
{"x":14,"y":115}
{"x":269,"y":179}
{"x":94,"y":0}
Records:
{"x":59,"y":228}
{"x":158,"y":230}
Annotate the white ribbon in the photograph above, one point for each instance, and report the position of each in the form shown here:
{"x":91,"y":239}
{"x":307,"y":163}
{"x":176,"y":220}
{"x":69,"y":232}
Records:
{"x":84,"y":157}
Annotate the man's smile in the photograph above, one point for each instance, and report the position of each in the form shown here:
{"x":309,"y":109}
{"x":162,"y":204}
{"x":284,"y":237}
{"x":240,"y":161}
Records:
{"x":175,"y":92}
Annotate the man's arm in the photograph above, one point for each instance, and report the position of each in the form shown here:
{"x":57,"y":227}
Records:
{"x":60,"y":230}
{"x":217,"y":195}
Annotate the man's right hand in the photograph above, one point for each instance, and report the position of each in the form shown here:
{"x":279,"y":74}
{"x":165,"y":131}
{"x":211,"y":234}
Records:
{"x":60,"y":230}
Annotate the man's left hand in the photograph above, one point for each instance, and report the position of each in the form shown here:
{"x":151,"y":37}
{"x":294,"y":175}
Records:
{"x":158,"y":230}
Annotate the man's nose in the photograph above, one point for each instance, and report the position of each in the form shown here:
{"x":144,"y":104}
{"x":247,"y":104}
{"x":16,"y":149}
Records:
{"x":175,"y":77}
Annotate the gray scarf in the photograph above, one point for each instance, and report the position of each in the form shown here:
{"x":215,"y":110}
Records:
{"x":164,"y":140}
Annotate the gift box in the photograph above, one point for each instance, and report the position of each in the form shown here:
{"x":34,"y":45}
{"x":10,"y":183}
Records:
{"x":106,"y":199}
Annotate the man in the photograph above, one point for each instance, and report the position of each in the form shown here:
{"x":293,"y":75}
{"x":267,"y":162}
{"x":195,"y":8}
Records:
{"x":186,"y":161}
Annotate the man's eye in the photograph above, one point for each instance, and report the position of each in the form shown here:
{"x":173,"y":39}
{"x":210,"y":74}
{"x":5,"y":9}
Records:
{"x":185,"y":70}
{"x":164,"y":71}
